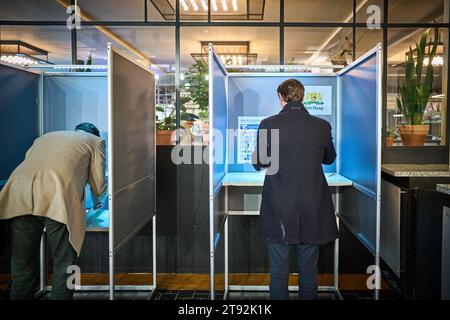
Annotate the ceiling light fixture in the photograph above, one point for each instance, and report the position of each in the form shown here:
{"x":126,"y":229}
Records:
{"x":235,"y":5}
{"x":224,"y":5}
{"x":18,"y":59}
{"x":194,"y":5}
{"x":184,"y":5}
{"x":204,"y":5}
{"x":214,"y":5}
{"x":438,"y":61}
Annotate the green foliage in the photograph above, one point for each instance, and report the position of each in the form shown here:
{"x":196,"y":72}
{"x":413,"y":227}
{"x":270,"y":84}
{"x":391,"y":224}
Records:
{"x":198,"y":86}
{"x":168,"y":122}
{"x":415,"y":92}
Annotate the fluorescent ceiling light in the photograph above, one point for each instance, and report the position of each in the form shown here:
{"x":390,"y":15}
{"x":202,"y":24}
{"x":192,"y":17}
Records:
{"x":437,"y":61}
{"x":204,"y":5}
{"x":224,"y":5}
{"x":194,"y":5}
{"x":184,"y":5}
{"x":20,"y":60}
{"x":214,"y":5}
{"x":234,"y":4}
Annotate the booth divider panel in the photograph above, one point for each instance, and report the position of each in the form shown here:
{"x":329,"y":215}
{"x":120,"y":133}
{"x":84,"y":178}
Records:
{"x":219,"y":114}
{"x":359,"y":148}
{"x":19,"y":114}
{"x":218,"y":140}
{"x":256,"y":96}
{"x":71,"y":99}
{"x":133,"y":134}
{"x":359,"y":125}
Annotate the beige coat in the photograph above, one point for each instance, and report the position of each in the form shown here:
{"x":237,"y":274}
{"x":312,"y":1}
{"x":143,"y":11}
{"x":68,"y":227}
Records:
{"x":50,"y":181}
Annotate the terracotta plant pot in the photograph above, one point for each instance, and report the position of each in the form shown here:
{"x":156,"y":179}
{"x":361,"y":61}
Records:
{"x":164,"y":138}
{"x":389,"y":141}
{"x":414,"y":135}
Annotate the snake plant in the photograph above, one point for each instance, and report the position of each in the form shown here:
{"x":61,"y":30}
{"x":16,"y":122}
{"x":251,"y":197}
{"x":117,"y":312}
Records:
{"x":415,"y":92}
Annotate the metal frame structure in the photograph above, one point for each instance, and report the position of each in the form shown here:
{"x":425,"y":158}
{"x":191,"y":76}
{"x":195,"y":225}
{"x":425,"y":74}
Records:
{"x":214,"y":191}
{"x":111,"y":287}
{"x":437,"y":154}
{"x":233,"y":288}
{"x":379,"y":98}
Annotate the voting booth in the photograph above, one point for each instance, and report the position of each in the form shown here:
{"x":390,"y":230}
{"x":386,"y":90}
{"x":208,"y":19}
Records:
{"x":350,"y":100}
{"x":120,"y":100}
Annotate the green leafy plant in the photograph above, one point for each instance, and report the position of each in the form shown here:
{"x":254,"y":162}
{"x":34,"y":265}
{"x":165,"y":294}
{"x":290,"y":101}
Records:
{"x":198,"y":87}
{"x":168,"y":122}
{"x":415,"y":92}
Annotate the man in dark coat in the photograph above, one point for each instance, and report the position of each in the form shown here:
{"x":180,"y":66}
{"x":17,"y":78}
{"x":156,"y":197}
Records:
{"x":297,"y":208}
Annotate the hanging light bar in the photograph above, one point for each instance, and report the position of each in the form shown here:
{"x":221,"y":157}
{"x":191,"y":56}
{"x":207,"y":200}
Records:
{"x":17,"y":59}
{"x":234,"y":5}
{"x":224,"y":5}
{"x":214,"y":5}
{"x":204,"y":5}
{"x":184,"y":5}
{"x":194,"y":5}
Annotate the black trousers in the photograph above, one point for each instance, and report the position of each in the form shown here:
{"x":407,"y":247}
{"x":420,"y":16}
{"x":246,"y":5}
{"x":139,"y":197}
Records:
{"x":26,"y":233}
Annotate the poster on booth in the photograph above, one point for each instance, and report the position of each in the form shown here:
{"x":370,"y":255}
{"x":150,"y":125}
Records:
{"x":318,"y":100}
{"x":247,"y":137}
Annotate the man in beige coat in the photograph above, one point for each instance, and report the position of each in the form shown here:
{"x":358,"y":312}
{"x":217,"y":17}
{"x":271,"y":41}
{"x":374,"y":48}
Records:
{"x":47,"y":190}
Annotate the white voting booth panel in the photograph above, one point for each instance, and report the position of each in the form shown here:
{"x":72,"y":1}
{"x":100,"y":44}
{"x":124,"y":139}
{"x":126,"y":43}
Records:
{"x":360,"y":151}
{"x":132,"y":156}
{"x":121,"y":103}
{"x":18,"y":125}
{"x":350,"y":101}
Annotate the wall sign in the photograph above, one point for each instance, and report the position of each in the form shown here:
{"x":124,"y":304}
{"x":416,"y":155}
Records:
{"x":318,"y":100}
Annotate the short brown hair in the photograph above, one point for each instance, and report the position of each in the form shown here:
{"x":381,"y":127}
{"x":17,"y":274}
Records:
{"x":291,"y":90}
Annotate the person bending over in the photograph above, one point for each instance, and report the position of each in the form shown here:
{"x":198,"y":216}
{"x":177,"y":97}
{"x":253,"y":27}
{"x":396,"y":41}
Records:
{"x":47,"y":191}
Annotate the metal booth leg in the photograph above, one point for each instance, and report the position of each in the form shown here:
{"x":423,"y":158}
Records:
{"x":225,"y":238}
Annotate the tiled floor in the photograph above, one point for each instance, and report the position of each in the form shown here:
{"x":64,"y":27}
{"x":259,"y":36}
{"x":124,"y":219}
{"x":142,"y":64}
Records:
{"x":204,"y":295}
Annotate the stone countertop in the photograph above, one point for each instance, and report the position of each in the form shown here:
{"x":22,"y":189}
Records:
{"x":444,"y":188}
{"x":417,"y":170}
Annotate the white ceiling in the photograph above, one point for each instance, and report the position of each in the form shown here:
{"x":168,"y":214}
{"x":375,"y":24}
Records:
{"x":157,"y":43}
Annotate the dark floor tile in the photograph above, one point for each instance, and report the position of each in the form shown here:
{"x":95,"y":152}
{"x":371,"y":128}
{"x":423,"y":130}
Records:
{"x":167,"y":296}
{"x":183,"y":294}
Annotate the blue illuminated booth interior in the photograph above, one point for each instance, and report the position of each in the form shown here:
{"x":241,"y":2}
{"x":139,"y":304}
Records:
{"x":350,"y":101}
{"x":120,"y":100}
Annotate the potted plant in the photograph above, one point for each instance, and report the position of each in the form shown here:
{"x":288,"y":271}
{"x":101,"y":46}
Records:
{"x":389,"y":137}
{"x":416,"y":91}
{"x":165,"y":126}
{"x":197,"y":77}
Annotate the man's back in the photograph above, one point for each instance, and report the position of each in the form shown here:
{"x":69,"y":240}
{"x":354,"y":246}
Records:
{"x":50,"y":181}
{"x":297,"y":205}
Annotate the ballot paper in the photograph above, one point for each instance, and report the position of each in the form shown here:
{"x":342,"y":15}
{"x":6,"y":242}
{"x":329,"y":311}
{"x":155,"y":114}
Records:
{"x":247,"y":138}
